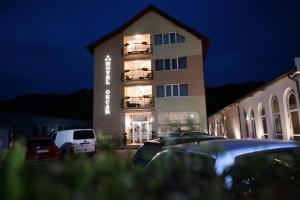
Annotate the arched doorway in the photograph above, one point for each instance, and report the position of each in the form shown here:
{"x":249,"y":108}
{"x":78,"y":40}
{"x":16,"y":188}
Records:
{"x":276,"y":118}
{"x":293,"y":115}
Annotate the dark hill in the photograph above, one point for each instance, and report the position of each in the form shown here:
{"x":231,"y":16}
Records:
{"x":77,"y":105}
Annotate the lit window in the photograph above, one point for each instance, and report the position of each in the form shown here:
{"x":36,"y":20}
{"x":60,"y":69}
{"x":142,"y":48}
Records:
{"x":158,"y":39}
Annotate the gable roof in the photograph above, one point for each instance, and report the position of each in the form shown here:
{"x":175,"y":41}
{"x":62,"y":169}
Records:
{"x":205,"y":39}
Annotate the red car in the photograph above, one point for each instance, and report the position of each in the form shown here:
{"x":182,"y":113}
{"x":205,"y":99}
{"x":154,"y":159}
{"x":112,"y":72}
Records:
{"x":42,"y":148}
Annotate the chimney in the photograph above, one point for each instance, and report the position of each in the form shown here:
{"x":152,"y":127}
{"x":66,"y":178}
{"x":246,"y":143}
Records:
{"x":297,"y":63}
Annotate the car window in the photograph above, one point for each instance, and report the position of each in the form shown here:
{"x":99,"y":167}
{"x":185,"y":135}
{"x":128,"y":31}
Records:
{"x":147,"y":151}
{"x":274,"y":171}
{"x":83,"y":134}
{"x":34,"y":143}
{"x":183,"y":173}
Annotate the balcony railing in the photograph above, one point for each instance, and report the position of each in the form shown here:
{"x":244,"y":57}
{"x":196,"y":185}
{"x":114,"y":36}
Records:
{"x":144,"y":102}
{"x":139,"y":74}
{"x":137,"y":48}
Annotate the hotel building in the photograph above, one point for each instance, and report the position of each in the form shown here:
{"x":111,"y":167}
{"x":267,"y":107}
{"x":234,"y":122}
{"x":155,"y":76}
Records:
{"x":148,"y":78}
{"x":269,"y":112}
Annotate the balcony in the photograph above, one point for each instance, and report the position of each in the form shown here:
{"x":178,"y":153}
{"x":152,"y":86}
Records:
{"x":144,"y":102}
{"x":137,"y":48}
{"x":139,"y":74}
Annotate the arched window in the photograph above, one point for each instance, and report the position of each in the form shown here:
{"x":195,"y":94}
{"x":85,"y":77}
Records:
{"x":276,"y":118}
{"x":252,"y":122}
{"x":246,"y":124}
{"x":263,"y":121}
{"x":293,"y":115}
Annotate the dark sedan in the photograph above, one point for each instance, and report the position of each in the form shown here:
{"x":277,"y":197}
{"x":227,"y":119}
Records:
{"x":228,"y":169}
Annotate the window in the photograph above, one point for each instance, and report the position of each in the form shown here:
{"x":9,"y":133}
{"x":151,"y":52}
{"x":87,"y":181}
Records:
{"x":35,"y":130}
{"x":167,"y":64}
{"x":171,"y":64}
{"x":158,"y":39}
{"x":174,"y":63}
{"x":182,"y":63}
{"x":84,"y":134}
{"x":166,"y":38}
{"x":263,"y":121}
{"x":184,"y":90}
{"x":160,"y":91}
{"x":159,"y":65}
{"x":246,"y":124}
{"x":44,"y":130}
{"x":253,"y":127}
{"x":180,"y":38}
{"x":168,"y":91}
{"x":276,"y":118}
{"x":172,"y":38}
{"x":293,"y":115}
{"x":173,"y":90}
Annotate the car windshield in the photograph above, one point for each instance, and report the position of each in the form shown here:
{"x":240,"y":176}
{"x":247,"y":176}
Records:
{"x":147,"y":151}
{"x":42,"y":142}
{"x":83,"y":134}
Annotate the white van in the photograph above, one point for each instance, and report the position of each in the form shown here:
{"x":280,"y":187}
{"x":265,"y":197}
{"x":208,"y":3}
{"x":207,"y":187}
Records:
{"x":75,"y":141}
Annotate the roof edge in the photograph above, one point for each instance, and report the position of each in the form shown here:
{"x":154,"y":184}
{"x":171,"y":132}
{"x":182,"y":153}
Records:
{"x":90,"y":47}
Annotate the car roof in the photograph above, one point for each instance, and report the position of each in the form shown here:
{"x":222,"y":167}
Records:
{"x":167,"y":141}
{"x":225,"y":151}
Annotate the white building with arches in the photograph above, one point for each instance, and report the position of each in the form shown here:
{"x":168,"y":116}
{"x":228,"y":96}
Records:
{"x":271,"y":111}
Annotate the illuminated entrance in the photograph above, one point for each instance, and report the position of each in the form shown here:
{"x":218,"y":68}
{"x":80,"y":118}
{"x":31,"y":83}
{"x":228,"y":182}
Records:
{"x":138,"y":127}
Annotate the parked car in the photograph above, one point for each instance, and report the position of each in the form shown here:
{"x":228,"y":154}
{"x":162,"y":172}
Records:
{"x":76,"y":141}
{"x":42,"y":148}
{"x":241,"y":169}
{"x":150,"y":148}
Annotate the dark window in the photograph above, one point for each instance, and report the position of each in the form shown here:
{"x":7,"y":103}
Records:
{"x":168,"y":90}
{"x":160,"y":90}
{"x":60,"y":128}
{"x":167,"y":64}
{"x":35,"y":130}
{"x":166,"y":38}
{"x":175,"y":90}
{"x":36,"y":143}
{"x":159,"y":65}
{"x":180,"y":38}
{"x":184,"y":90}
{"x":44,"y":130}
{"x":182,"y":63}
{"x":85,"y":134}
{"x":172,"y":38}
{"x":174,"y":63}
{"x":158,"y":39}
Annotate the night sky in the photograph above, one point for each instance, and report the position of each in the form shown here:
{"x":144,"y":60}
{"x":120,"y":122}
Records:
{"x":42,"y":43}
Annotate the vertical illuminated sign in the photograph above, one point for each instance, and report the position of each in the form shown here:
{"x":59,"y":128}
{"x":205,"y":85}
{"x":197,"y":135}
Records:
{"x":107,"y":84}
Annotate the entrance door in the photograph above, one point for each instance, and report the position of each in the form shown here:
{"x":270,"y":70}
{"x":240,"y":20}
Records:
{"x":141,"y":132}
